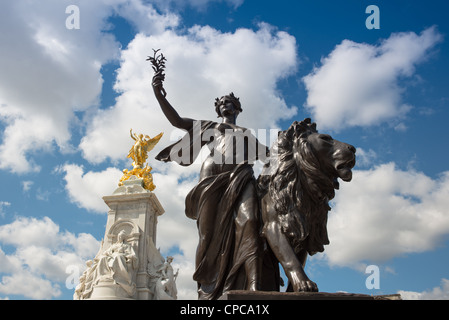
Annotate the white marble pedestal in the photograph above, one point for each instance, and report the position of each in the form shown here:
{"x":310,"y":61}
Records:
{"x":128,"y":265}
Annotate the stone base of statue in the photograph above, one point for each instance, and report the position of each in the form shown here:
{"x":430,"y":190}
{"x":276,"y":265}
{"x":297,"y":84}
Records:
{"x":128,"y":265}
{"x":273,"y":295}
{"x":108,"y":290}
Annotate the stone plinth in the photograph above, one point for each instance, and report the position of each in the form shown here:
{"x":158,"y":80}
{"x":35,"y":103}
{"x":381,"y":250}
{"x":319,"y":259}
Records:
{"x":135,"y":210}
{"x":128,"y":265}
{"x":108,"y":290}
{"x":272,"y":295}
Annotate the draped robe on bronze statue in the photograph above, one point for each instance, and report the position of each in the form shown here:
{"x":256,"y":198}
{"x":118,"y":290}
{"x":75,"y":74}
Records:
{"x":228,"y":236}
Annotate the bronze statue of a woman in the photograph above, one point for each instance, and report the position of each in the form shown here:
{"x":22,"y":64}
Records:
{"x":224,"y":202}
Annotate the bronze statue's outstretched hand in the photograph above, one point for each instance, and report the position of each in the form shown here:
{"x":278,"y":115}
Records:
{"x":157,"y":84}
{"x":158,"y":64}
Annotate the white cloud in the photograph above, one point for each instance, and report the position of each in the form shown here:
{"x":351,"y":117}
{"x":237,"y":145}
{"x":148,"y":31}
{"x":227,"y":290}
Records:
{"x":42,"y":252}
{"x":44,"y":233}
{"x":31,"y":286}
{"x":26,"y":185}
{"x":365,"y":159}
{"x":29,"y":231}
{"x":174,"y":228}
{"x":8,"y":263}
{"x":202,"y":64}
{"x":359,"y":84}
{"x":386,"y":212}
{"x":87,"y":189}
{"x":143,"y":16}
{"x":47,"y":262}
{"x":48,"y":71}
{"x":198,"y":4}
{"x":3,"y":205}
{"x":437,"y":293}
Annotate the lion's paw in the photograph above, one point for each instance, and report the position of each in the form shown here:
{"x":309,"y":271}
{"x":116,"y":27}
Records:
{"x":306,"y":286}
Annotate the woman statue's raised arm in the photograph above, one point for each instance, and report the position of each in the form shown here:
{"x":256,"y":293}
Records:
{"x":172,"y":115}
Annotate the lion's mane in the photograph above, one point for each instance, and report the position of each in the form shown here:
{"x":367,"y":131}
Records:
{"x":301,"y":193}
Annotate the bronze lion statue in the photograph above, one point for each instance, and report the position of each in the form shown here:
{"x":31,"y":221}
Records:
{"x":295,"y":188}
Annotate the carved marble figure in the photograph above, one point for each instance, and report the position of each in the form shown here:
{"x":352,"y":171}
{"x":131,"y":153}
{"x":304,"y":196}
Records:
{"x":163,"y":279}
{"x":117,"y":264}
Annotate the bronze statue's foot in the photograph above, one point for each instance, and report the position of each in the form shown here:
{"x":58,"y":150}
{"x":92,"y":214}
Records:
{"x":252,"y":286}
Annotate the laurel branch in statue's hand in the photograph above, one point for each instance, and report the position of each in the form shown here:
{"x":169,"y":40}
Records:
{"x":158,"y":65}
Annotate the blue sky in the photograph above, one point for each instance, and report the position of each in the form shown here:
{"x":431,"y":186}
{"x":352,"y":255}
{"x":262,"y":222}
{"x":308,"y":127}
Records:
{"x":68,"y":98}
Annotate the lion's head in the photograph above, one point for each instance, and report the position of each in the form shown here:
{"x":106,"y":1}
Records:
{"x":320,"y":156}
{"x":307,"y":165}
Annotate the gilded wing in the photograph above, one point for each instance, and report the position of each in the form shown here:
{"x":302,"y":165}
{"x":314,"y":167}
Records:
{"x":131,"y":153}
{"x":152,"y":142}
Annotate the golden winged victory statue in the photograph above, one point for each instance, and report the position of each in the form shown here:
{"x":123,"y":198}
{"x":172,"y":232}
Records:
{"x":139,"y":153}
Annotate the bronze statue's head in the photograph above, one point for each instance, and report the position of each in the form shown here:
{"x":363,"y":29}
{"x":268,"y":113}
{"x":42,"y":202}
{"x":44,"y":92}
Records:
{"x":219,"y":102}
